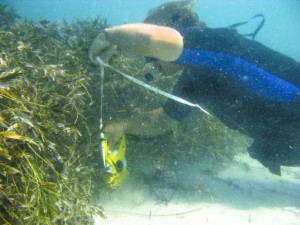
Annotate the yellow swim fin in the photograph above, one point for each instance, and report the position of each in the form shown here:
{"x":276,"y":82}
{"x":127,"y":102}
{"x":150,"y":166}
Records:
{"x":115,"y":163}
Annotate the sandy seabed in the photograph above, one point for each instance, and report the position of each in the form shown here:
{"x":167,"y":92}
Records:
{"x":244,"y":193}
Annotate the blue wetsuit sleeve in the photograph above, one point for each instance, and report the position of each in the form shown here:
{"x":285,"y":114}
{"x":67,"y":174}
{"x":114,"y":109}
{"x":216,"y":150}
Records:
{"x":183,"y":89}
{"x":177,"y":111}
{"x":250,"y":76}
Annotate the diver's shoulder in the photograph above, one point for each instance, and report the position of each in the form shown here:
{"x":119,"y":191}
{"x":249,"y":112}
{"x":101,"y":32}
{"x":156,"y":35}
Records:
{"x":199,"y":37}
{"x":205,"y":30}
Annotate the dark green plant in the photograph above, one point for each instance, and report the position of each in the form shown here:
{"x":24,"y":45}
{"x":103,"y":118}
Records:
{"x":7,"y":16}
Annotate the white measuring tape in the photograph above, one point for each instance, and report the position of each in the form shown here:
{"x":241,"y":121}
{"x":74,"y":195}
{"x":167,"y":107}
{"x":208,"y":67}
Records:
{"x":151,"y":88}
{"x":102,"y":138}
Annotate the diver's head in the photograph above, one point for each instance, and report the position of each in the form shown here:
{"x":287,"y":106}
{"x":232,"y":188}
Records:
{"x":175,"y":14}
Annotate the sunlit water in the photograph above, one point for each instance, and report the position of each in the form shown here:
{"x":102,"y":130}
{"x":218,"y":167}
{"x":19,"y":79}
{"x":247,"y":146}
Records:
{"x":282,"y":17}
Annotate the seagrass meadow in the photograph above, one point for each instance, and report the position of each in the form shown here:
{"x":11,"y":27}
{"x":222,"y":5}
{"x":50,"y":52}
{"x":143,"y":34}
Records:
{"x":46,"y":102}
{"x":50,"y":159}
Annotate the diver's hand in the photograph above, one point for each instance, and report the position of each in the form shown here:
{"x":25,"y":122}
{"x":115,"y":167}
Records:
{"x":101,"y":47}
{"x":114,"y":131}
{"x":160,"y":42}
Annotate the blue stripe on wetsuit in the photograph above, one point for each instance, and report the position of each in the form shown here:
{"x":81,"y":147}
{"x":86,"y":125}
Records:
{"x":251,"y":76}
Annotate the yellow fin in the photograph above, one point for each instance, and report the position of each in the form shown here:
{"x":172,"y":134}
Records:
{"x":116,"y":163}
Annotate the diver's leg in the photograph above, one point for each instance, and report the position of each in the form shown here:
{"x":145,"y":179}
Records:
{"x":261,"y":152}
{"x":275,"y":154}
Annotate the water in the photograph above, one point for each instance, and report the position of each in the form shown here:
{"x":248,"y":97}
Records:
{"x":282,"y":17}
{"x":201,"y":173}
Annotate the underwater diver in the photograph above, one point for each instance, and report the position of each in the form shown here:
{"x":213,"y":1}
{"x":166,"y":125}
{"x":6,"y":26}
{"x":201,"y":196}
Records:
{"x":248,"y":86}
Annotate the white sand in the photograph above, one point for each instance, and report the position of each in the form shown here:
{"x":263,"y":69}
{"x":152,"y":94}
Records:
{"x":245,"y":193}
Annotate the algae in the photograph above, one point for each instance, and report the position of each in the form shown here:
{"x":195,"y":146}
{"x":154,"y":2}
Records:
{"x":47,"y":175}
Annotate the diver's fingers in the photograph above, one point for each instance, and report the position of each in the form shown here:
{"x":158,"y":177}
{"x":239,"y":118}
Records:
{"x":113,"y":132}
{"x":99,"y":47}
{"x":108,"y":52}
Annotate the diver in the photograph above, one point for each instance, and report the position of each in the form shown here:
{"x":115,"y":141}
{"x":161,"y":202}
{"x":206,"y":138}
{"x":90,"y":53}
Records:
{"x":248,"y":86}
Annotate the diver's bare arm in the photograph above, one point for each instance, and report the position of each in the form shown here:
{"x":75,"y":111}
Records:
{"x":151,"y":124}
{"x":160,"y":42}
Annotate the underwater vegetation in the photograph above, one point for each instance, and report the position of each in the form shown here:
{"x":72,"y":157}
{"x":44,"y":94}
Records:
{"x":50,"y":159}
{"x":46,"y":171}
{"x":8,"y":16}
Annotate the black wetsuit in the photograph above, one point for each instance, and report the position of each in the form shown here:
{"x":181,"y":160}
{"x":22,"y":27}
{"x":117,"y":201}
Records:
{"x":248,"y":86}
